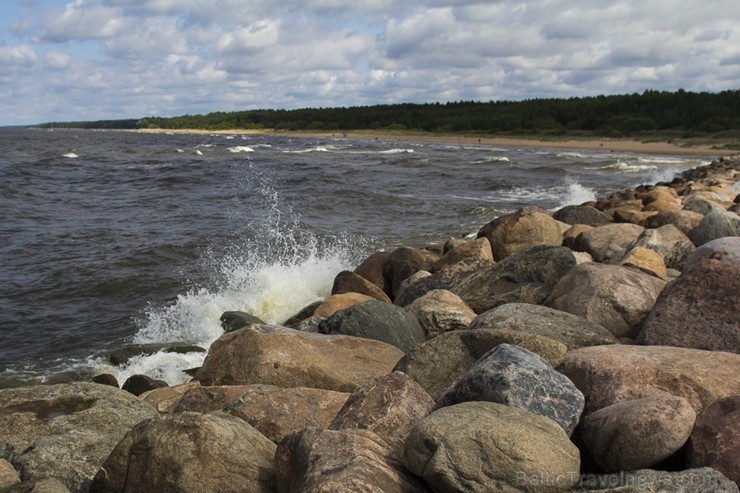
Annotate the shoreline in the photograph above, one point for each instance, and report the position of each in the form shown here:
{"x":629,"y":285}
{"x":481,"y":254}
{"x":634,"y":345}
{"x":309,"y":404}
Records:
{"x":590,"y":144}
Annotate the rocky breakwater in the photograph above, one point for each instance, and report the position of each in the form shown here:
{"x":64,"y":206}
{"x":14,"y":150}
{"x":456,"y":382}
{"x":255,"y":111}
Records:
{"x":596,"y":348}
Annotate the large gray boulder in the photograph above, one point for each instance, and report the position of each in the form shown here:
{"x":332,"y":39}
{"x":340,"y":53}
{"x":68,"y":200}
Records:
{"x":717,"y":223}
{"x":527,"y":276}
{"x":571,"y":330}
{"x":188,"y":452}
{"x":483,"y":447}
{"x":516,"y":377}
{"x":66,"y":431}
{"x":609,"y":242}
{"x":615,"y":297}
{"x":379,"y":321}
{"x":725,"y":249}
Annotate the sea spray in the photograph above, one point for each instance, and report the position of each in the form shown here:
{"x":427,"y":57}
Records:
{"x":575,"y":194}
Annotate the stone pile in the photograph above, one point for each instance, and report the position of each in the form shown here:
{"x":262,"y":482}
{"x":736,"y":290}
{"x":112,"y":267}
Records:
{"x":596,"y":348}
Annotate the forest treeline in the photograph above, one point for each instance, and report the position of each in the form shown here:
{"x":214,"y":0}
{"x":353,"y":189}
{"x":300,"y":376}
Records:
{"x":683,"y":112}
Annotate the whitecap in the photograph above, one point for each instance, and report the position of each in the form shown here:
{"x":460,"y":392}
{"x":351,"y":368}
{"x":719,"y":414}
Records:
{"x":240,"y":149}
{"x":70,"y":155}
{"x":197,"y":152}
{"x":397,"y":151}
{"x":574,"y":193}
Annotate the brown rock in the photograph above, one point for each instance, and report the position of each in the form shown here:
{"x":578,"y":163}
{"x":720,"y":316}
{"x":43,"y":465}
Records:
{"x":609,"y":242}
{"x":570,"y":235}
{"x":338,"y":302}
{"x":341,"y":461}
{"x":165,"y":399}
{"x":638,"y":434}
{"x":349,"y":282}
{"x":663,"y":204}
{"x":276,"y":412}
{"x":698,"y":310}
{"x":646,"y":260}
{"x":610,"y":374}
{"x":669,"y":242}
{"x":520,"y":230}
{"x":684,"y":220}
{"x":627,"y":215}
{"x":715,"y":441}
{"x":44,"y":485}
{"x":659,"y":193}
{"x":615,"y":297}
{"x":290,"y":358}
{"x":9,"y":476}
{"x":405,"y":261}
{"x":441,"y":311}
{"x":213,"y":398}
{"x":372,"y":269}
{"x":478,"y":249}
{"x":187,"y":452}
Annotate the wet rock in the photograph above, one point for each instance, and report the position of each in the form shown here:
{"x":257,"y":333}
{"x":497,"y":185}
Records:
{"x":349,"y":282}
{"x":528,"y":276}
{"x":638,"y":434}
{"x":372,"y":269}
{"x":138,"y":384}
{"x":617,"y":373}
{"x":609,"y":242}
{"x":571,"y":330}
{"x":277,"y":412}
{"x":723,"y":249}
{"x":667,"y":241}
{"x":303,"y":314}
{"x":235,"y":320}
{"x":441,"y":311}
{"x":341,"y":461}
{"x":339,"y":302}
{"x":105,"y":379}
{"x":66,"y":431}
{"x":521,"y":230}
{"x":440,"y":362}
{"x":516,"y":377}
{"x":715,"y":441}
{"x":698,"y":310}
{"x":187,"y":452}
{"x":473,"y":250}
{"x":290,"y":358}
{"x":379,"y":321}
{"x":717,"y":223}
{"x":702,"y":480}
{"x":519,"y":450}
{"x":403,"y":262}
{"x":615,"y":297}
{"x":581,"y":214}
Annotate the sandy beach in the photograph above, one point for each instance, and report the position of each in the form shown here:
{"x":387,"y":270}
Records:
{"x":593,"y":144}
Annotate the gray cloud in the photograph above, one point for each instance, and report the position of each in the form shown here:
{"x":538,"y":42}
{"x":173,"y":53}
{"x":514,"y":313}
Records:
{"x":94,"y":59}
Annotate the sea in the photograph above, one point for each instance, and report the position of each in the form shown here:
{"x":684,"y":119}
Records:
{"x":114,"y":238}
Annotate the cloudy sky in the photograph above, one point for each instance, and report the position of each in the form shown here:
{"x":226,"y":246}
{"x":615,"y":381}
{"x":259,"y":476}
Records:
{"x":106,"y":59}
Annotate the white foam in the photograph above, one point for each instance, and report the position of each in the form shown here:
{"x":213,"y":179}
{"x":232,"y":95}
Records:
{"x":70,"y":155}
{"x":240,"y":149}
{"x":497,"y":159}
{"x":575,"y":194}
{"x":397,"y":151}
{"x":197,"y":152}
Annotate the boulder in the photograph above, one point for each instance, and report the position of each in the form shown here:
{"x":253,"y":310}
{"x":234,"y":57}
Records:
{"x":667,"y":241}
{"x":341,"y":461}
{"x":717,"y":223}
{"x":138,"y":384}
{"x":349,"y":282}
{"x":570,"y":235}
{"x":66,"y":431}
{"x":105,"y":379}
{"x":698,"y":310}
{"x":638,"y":434}
{"x":617,"y":373}
{"x":702,"y":480}
{"x":44,"y":485}
{"x":187,"y":452}
{"x":235,"y":320}
{"x":725,"y":249}
{"x":683,"y":220}
{"x":388,"y":406}
{"x":203,"y":399}
{"x":715,"y":441}
{"x":663,"y":204}
{"x":581,"y":214}
{"x":403,"y":262}
{"x":483,"y":447}
{"x":372,"y":269}
{"x":379,"y":321}
{"x":277,"y":412}
{"x":440,"y":362}
{"x":646,"y":260}
{"x":290,"y":358}
{"x":516,"y":377}
{"x":303,"y":314}
{"x":571,"y":330}
{"x":627,"y":215}
{"x":443,"y":279}
{"x":441,"y":311}
{"x":8,"y":475}
{"x":615,"y":297}
{"x":165,"y":399}
{"x":339,"y":302}
{"x":472,"y":250}
{"x":609,"y":242}
{"x":521,"y":230}
{"x":527,"y":276}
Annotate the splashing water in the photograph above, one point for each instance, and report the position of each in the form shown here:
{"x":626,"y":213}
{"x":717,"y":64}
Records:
{"x":576,"y":194}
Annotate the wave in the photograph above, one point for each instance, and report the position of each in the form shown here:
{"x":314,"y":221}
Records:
{"x":397,"y":151}
{"x":70,"y":155}
{"x":496,"y":159}
{"x":312,"y":149}
{"x":240,"y":149}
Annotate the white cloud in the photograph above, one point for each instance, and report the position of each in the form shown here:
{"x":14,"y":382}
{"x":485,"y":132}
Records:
{"x":17,"y":55}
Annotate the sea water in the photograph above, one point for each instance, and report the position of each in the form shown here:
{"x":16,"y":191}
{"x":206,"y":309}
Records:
{"x":114,"y":238}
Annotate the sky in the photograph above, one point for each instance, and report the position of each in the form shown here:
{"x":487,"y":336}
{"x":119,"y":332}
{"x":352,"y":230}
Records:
{"x":70,"y":60}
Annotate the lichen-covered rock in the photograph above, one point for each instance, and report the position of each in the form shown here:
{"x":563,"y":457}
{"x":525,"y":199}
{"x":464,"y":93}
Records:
{"x":521,"y":230}
{"x":188,"y":452}
{"x":613,"y":296}
{"x":715,"y":440}
{"x":527,"y":276}
{"x":389,"y":406}
{"x":441,"y":311}
{"x":645,"y":260}
{"x":638,"y":434}
{"x":291,"y":358}
{"x":341,"y":461}
{"x":608,"y":242}
{"x":516,"y":377}
{"x":667,"y":241}
{"x":483,"y":447}
{"x":571,"y":330}
{"x":379,"y":321}
{"x":698,"y":310}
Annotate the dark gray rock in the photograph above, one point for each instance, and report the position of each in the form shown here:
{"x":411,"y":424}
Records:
{"x":443,"y":279}
{"x":45,"y":485}
{"x":379,"y":321}
{"x":138,"y":384}
{"x":235,"y":320}
{"x":608,"y":242}
{"x":571,"y":330}
{"x":405,"y":261}
{"x":717,"y":223}
{"x":105,"y":379}
{"x":303,"y":314}
{"x":715,"y":439}
{"x":516,"y":377}
{"x":725,"y":249}
{"x":581,"y":214}
{"x":528,"y":276}
{"x":702,"y":480}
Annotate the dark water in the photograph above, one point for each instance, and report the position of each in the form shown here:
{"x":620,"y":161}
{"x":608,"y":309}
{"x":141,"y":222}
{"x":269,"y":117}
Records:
{"x":108,"y":238}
